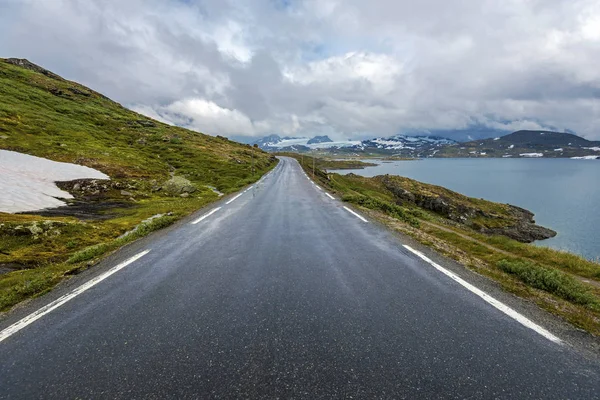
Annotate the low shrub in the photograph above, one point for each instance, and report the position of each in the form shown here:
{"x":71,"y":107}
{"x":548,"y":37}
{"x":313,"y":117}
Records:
{"x":550,"y":280}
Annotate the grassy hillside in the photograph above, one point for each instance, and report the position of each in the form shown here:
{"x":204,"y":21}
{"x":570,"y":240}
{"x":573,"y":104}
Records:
{"x":155,"y":169}
{"x":481,"y":235}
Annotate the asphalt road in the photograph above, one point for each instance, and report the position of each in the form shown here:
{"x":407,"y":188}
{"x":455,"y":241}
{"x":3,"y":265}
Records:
{"x":283,"y":293}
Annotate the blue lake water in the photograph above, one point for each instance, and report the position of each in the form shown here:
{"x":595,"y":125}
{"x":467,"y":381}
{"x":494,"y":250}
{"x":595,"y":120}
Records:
{"x":564,"y":194}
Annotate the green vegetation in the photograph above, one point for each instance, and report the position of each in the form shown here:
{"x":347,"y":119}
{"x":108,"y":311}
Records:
{"x":155,"y":169}
{"x":551,"y":281}
{"x":391,"y":209}
{"x":478,"y":234}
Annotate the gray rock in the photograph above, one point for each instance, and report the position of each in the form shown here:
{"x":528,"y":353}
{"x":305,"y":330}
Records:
{"x":178,"y":185}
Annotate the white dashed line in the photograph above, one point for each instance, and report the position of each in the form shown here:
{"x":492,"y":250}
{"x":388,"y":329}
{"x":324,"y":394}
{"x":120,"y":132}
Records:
{"x":14,"y":328}
{"x":355,"y":214}
{"x":208,"y":214}
{"x":497,"y":304}
{"x":235,"y":198}
{"x":330,"y":196}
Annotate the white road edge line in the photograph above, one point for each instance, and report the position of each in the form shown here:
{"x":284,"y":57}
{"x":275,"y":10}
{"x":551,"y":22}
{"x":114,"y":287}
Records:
{"x":235,"y":198}
{"x":496,"y":303}
{"x":16,"y":327}
{"x":208,"y":214}
{"x":355,"y":214}
{"x":330,"y":196}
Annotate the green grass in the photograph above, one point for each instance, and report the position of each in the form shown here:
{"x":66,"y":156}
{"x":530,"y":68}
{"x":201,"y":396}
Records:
{"x":64,"y":121}
{"x":552,"y":281}
{"x":555,"y":280}
{"x":391,"y":209}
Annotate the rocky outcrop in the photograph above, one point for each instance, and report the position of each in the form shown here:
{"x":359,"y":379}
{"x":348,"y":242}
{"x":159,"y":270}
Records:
{"x":34,"y":229}
{"x":23,"y":63}
{"x":178,"y":185}
{"x":483,"y":216}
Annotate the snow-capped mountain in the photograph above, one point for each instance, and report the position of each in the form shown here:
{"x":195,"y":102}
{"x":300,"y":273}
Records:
{"x":527,"y":144}
{"x":320,"y":139}
{"x":277,"y":143}
{"x":404,"y":143}
{"x":410,"y":146}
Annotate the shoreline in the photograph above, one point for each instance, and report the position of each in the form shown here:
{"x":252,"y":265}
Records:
{"x":561,"y":193}
{"x":559,"y":282}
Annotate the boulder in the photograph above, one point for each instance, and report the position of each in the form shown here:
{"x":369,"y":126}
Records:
{"x":178,"y":185}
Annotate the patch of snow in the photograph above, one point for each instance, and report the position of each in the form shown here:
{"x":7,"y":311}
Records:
{"x":559,"y":149}
{"x":214,"y":189}
{"x":389,"y":144}
{"x":290,"y":142}
{"x":337,"y":145}
{"x":496,"y":138}
{"x":586,"y":158}
{"x":533,"y":155}
{"x":506,"y":156}
{"x":27,"y":182}
{"x":483,"y":153}
{"x":304,"y":142}
{"x":592,"y":148}
{"x":512,"y":146}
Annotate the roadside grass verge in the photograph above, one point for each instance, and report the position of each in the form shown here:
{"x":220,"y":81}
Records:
{"x":551,"y":281}
{"x":69,"y":254}
{"x":562,"y":283}
{"x":391,"y":209}
{"x":21,"y":285}
{"x":47,"y":116}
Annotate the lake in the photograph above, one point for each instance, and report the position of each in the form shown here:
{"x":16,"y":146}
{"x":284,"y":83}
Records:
{"x":564,"y":194}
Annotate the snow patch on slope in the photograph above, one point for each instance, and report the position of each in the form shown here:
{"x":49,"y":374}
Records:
{"x":27,"y":182}
{"x":532,"y":155}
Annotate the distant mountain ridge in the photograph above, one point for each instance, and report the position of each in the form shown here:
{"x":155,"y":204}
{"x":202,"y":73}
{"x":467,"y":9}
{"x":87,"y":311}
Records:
{"x":409,"y":146}
{"x":319,"y":139}
{"x":524,"y":143}
{"x":300,"y":144}
{"x":527,"y":143}
{"x":406,"y":146}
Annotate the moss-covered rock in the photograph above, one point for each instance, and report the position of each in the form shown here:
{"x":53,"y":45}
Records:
{"x":178,"y":185}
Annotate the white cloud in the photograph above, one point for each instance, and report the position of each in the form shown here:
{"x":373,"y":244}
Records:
{"x":345,"y":68}
{"x":201,"y":115}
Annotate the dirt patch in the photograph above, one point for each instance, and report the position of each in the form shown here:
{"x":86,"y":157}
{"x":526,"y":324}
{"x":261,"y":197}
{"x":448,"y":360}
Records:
{"x":5,"y":268}
{"x":84,"y":209}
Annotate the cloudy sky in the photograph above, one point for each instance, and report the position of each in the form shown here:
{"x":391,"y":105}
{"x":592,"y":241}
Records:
{"x":347,"y":68}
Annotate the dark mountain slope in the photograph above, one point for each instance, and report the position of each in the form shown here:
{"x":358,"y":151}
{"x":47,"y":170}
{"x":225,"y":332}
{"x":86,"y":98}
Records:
{"x":526,"y":144}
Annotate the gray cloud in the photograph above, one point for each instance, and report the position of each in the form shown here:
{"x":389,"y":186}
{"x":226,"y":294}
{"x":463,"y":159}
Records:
{"x":346,"y":68}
